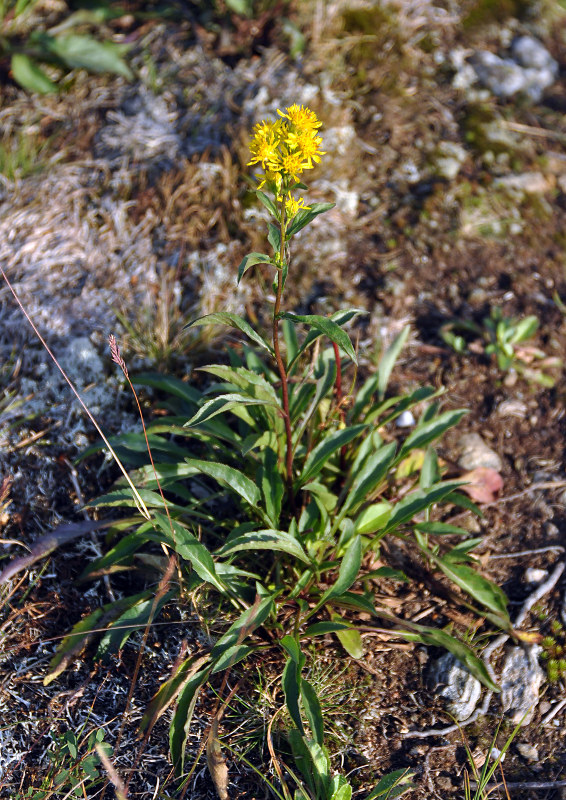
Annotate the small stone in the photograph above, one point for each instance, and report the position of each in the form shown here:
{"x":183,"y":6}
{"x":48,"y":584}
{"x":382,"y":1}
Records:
{"x":551,"y":530}
{"x":527,"y":751}
{"x":452,"y":681}
{"x":502,"y":76}
{"x":496,"y":754}
{"x":520,"y":681}
{"x":512,"y":408}
{"x":449,"y":160}
{"x":534,"y":575}
{"x":530,"y":53}
{"x":475,"y":453}
{"x":524,"y":183}
{"x":405,"y":420}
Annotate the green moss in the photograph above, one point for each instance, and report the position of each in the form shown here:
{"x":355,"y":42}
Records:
{"x":487,"y":12}
{"x":377,"y":40}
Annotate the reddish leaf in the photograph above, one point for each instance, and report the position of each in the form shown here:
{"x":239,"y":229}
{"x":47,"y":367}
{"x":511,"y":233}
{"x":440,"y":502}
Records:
{"x":483,"y":484}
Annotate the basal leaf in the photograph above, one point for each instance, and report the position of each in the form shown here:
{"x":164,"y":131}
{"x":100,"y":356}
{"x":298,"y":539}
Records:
{"x":481,"y":589}
{"x":265,"y":540}
{"x":189,"y":548}
{"x":424,"y":434}
{"x":181,"y":722}
{"x":349,"y":569}
{"x":313,"y":711}
{"x":230,"y":477}
{"x":370,"y":476}
{"x":231,"y":656}
{"x":322,"y":452}
{"x":373,"y":518}
{"x":169,"y":690}
{"x":223,"y":403}
{"x":388,"y":361}
{"x":78,"y":51}
{"x":26,"y":72}
{"x":245,"y":625}
{"x":418,"y":501}
{"x":291,"y":682}
{"x":438,"y":638}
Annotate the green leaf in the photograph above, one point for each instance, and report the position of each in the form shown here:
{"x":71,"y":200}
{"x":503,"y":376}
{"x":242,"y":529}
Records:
{"x":481,"y":589}
{"x":343,"y":792}
{"x":350,"y":639}
{"x":437,"y":638}
{"x":268,"y":203}
{"x":189,"y":548}
{"x":392,"y":785}
{"x":322,"y":628}
{"x":169,"y":690}
{"x":272,"y":486}
{"x":291,"y":681}
{"x":135,"y":618}
{"x":234,"y":321}
{"x":322,"y":452}
{"x":246,"y":624}
{"x":291,"y":646}
{"x":349,"y":569}
{"x":339,"y":317}
{"x":370,"y":476}
{"x":388,"y":361}
{"x":373,"y":518}
{"x":424,"y":434}
{"x":222,"y":403}
{"x":524,"y":329}
{"x":430,"y":472}
{"x":230,"y":477}
{"x":440,"y":529}
{"x":85,"y":52}
{"x":327,"y":327}
{"x":418,"y":501}
{"x":250,"y":261}
{"x":181,"y":722}
{"x":231,"y":656}
{"x":265,"y":540}
{"x":306,"y":215}
{"x":26,"y":72}
{"x":78,"y":638}
{"x":313,"y":711}
{"x":274,"y":237}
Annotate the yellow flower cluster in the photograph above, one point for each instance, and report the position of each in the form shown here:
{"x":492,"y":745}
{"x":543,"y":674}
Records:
{"x":285,"y":148}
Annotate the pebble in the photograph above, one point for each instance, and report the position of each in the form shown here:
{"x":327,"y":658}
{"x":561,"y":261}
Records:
{"x":512,"y":408}
{"x":405,"y":420}
{"x":530,"y":70}
{"x":524,"y":183}
{"x":520,"y":681}
{"x":475,"y":453}
{"x":452,"y":681}
{"x":496,"y":754}
{"x":534,"y":575}
{"x":527,"y":751}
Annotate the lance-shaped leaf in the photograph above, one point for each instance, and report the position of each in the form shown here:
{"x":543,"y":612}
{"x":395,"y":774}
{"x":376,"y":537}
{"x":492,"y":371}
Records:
{"x":339,"y":317}
{"x":169,"y":690}
{"x":247,"y":622}
{"x":349,"y":569}
{"x":370,"y":476}
{"x":250,"y":261}
{"x":78,"y":51}
{"x":230,"y":477}
{"x":189,"y":548}
{"x":306,"y":215}
{"x":274,"y":236}
{"x":234,"y":321}
{"x":418,"y":501}
{"x":225,"y":402}
{"x":437,"y":638}
{"x":268,"y":203}
{"x":181,"y":722}
{"x":265,"y":540}
{"x":313,"y":711}
{"x":322,"y":452}
{"x":26,"y":72}
{"x":388,"y":361}
{"x":328,"y":327}
{"x":424,"y":434}
{"x":135,"y":618}
{"x":481,"y":589}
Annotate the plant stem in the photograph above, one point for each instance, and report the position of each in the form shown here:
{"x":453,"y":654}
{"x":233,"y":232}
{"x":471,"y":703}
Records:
{"x":281,"y":366}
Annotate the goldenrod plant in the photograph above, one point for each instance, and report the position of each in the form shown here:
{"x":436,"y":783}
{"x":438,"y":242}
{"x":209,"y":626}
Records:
{"x":273,"y":483}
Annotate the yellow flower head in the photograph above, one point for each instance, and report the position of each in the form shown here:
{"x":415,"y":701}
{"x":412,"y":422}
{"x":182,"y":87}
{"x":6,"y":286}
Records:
{"x":301,"y":118}
{"x":293,"y":204}
{"x":264,"y":147}
{"x":306,"y":144}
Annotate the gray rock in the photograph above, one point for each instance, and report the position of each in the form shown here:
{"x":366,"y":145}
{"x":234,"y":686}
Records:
{"x":520,"y":682}
{"x":532,"y":54}
{"x":449,"y":159}
{"x":475,"y":453}
{"x":530,"y":71}
{"x":451,"y":680}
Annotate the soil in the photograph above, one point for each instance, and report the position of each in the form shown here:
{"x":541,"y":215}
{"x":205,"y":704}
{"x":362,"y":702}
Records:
{"x":410,"y":245}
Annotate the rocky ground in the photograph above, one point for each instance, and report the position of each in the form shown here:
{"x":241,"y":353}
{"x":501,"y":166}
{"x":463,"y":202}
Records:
{"x":124,"y":208}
